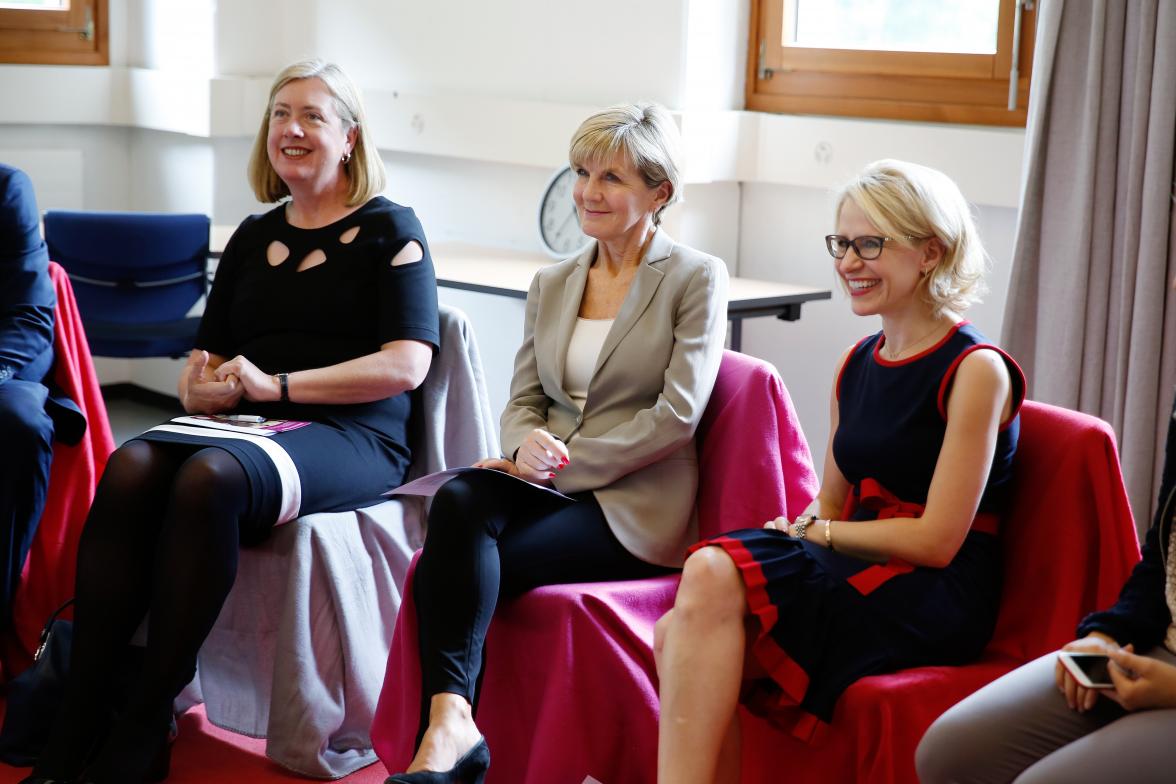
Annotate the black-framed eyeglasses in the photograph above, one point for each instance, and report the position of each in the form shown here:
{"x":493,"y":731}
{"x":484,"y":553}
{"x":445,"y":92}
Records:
{"x":867,"y":247}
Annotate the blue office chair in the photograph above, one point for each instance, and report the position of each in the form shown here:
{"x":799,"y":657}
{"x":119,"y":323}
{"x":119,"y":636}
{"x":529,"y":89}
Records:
{"x":136,"y":275}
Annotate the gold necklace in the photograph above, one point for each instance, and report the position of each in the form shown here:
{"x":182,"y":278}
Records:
{"x":895,"y":355}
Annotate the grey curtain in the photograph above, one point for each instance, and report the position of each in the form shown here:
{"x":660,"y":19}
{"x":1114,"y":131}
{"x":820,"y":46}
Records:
{"x":1090,"y":314}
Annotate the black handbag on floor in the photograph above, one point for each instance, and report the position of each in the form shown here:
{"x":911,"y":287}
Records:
{"x":34,"y":695}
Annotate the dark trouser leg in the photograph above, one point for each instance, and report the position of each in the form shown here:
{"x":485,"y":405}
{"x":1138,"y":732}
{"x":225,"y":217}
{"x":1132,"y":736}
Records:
{"x":485,"y":539}
{"x":26,"y":436}
{"x":195,"y":565}
{"x":155,"y":539}
{"x":113,"y":589}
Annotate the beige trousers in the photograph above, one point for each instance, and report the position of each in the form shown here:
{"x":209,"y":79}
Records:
{"x":1019,"y":729}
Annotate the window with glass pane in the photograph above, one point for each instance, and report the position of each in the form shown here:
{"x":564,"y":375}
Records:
{"x":69,"y":32}
{"x":36,"y":5}
{"x":954,"y":61}
{"x":961,"y":26}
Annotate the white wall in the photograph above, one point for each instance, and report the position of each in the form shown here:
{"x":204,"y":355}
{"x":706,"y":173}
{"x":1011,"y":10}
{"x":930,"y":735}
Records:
{"x":450,"y":87}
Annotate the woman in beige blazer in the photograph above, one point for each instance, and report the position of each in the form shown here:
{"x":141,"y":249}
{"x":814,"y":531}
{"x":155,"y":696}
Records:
{"x":621,"y":346}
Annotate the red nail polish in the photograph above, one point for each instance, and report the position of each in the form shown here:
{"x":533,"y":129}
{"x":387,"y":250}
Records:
{"x":551,"y":475}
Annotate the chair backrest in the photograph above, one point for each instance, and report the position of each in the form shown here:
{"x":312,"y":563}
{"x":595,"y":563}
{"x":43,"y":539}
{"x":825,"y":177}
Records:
{"x":1069,"y":538}
{"x":754,"y":463}
{"x":136,"y":277}
{"x":452,"y":422}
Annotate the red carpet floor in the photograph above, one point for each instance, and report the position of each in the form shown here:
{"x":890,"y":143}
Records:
{"x":205,"y":754}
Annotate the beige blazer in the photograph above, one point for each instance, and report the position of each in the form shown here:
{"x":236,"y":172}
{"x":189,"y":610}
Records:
{"x":633,"y":446}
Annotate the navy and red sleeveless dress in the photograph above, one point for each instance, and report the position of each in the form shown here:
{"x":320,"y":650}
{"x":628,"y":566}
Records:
{"x":827,"y":619}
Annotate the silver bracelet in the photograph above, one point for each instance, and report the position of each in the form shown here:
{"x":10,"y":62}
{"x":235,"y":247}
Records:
{"x":802,"y":524}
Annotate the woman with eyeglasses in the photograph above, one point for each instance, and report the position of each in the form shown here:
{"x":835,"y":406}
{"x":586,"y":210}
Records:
{"x":899,"y":563}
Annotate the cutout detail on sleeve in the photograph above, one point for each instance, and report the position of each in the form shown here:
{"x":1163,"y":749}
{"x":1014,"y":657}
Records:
{"x":411,"y":252}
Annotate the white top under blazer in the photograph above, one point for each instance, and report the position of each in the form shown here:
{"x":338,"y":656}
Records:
{"x":587,"y":339}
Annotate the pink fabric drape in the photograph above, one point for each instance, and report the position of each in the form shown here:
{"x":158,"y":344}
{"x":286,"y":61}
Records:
{"x":48,"y":576}
{"x":570,"y":688}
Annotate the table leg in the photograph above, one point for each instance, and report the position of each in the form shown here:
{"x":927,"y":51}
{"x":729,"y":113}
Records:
{"x":737,"y":334}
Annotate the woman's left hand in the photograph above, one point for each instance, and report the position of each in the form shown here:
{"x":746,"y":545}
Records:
{"x":1140,"y":681}
{"x":259,"y":387}
{"x":498,"y":464}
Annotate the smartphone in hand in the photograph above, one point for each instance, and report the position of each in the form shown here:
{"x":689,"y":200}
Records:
{"x":1089,"y":669}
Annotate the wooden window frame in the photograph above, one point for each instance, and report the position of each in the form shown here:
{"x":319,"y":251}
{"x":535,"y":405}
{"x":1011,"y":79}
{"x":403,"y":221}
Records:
{"x":78,"y":36}
{"x":924,"y":86}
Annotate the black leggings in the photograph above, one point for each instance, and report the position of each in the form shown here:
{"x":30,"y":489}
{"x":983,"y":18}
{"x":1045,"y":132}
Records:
{"x":490,"y":537}
{"x":161,"y":537}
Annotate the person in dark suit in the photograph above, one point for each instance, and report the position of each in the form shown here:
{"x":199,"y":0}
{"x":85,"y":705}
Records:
{"x":27,"y":302}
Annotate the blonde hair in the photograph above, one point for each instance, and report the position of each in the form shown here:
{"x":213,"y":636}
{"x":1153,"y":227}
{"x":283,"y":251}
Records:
{"x":909,"y":202}
{"x":365,"y":169}
{"x":644,"y":133}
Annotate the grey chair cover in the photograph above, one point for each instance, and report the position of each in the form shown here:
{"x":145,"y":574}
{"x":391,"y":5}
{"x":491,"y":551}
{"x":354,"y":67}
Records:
{"x":297,"y":655}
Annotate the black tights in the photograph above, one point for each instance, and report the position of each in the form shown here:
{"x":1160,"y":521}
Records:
{"x":490,"y":537}
{"x":161,"y":537}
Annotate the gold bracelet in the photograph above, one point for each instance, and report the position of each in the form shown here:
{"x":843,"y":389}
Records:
{"x":829,"y":534}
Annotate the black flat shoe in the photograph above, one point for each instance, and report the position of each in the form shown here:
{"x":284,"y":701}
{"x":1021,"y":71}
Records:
{"x":470,"y":769}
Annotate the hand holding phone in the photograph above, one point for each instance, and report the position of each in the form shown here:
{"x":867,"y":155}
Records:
{"x":1089,"y":669}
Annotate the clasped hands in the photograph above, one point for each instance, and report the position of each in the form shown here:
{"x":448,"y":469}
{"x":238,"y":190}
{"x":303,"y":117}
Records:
{"x":789,"y":527}
{"x":1141,"y":682}
{"x":538,"y":459}
{"x":224,"y":387}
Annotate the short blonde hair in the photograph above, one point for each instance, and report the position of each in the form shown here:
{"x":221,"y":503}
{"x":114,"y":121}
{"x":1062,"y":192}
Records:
{"x":645,"y":133}
{"x":365,"y":170}
{"x":905,"y":200}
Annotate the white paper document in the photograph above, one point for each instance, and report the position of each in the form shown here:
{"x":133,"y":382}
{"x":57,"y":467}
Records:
{"x":430,"y":484}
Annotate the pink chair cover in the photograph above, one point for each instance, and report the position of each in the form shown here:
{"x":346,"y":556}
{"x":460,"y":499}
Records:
{"x":47,"y":579}
{"x":570,"y":689}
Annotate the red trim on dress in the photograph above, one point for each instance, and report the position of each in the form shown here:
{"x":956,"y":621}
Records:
{"x":898,"y":362}
{"x":784,"y":670}
{"x":809,"y":728}
{"x":873,"y":496}
{"x":779,"y":664}
{"x":1014,"y":378}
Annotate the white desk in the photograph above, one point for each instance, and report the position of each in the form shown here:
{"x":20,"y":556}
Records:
{"x":508,"y":273}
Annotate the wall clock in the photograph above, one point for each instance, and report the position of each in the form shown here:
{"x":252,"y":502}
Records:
{"x":559,"y":225}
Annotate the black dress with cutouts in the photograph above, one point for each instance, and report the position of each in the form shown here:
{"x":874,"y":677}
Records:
{"x":290,"y":299}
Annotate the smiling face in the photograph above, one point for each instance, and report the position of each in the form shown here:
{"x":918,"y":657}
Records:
{"x":888,"y":284}
{"x":307,"y":140}
{"x":612,"y":199}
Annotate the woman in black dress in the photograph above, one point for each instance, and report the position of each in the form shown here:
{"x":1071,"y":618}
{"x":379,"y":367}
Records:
{"x":324,"y":311}
{"x":900,"y":565}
